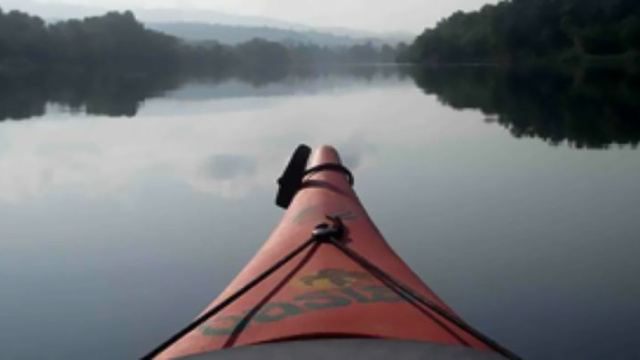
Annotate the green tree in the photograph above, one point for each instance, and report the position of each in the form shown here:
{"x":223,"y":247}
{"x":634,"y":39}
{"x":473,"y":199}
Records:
{"x":518,"y":30}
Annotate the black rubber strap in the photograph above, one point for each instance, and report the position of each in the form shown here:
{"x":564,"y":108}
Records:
{"x":332,"y":167}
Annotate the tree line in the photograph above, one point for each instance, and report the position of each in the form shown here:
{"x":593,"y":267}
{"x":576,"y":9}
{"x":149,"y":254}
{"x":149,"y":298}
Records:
{"x":111,"y":41}
{"x":516,"y":31}
{"x":117,"y":41}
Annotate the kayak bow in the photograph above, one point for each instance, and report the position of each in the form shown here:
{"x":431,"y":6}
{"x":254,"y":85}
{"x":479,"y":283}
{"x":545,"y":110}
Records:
{"x":326,"y":283}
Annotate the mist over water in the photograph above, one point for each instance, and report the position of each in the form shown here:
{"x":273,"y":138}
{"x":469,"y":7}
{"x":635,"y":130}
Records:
{"x":127,"y":203}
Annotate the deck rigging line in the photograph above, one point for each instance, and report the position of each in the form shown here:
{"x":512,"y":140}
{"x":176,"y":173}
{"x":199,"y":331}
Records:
{"x":401,"y":289}
{"x":216,"y":309}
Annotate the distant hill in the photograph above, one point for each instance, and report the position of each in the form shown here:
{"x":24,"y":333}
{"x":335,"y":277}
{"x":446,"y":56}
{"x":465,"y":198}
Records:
{"x":232,"y":34}
{"x":61,"y":10}
{"x":205,"y":24}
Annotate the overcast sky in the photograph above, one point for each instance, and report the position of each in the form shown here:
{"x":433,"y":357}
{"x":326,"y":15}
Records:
{"x":376,"y":15}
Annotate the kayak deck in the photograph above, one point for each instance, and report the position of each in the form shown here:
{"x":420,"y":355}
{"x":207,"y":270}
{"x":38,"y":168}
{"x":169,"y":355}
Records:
{"x":322,"y":293}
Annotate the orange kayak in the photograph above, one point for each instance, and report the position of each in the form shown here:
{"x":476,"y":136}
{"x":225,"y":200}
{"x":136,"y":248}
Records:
{"x":327,"y":284}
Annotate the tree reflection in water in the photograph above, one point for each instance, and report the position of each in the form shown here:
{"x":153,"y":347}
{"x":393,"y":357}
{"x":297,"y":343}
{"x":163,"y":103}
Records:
{"x":120,"y":94}
{"x":588,"y":108}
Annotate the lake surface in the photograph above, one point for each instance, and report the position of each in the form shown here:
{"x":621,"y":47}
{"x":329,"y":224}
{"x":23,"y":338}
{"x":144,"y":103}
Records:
{"x":127,"y":203}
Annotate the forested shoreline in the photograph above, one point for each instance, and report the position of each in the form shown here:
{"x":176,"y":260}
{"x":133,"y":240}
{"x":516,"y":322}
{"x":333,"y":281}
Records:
{"x":525,"y":31}
{"x":119,"y":42}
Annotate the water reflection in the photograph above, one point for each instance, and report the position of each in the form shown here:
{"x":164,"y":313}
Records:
{"x":229,"y":167}
{"x":129,"y":226}
{"x":118,"y":95}
{"x":108,"y":94}
{"x":590,"y":108}
{"x":223,"y":138}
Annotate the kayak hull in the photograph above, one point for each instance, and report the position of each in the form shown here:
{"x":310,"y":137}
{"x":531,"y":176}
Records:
{"x":322,"y":293}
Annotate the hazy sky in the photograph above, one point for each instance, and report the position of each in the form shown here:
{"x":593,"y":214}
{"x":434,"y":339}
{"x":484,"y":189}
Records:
{"x":376,"y":15}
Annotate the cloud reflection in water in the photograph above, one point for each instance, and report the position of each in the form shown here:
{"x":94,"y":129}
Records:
{"x":221,"y":153}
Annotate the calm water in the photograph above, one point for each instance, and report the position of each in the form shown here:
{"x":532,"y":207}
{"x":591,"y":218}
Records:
{"x":127,"y":204}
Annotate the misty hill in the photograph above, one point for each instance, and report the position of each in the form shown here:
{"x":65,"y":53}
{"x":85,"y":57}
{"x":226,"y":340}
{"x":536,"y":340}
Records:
{"x":60,"y":10}
{"x":119,"y":43}
{"x":233,"y":35}
{"x":205,"y":24}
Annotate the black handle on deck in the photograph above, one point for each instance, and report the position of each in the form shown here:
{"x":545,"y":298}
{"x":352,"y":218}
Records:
{"x":291,"y":180}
